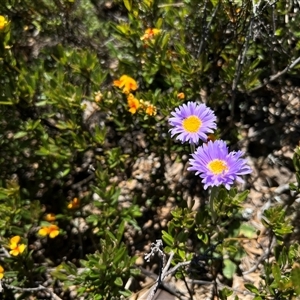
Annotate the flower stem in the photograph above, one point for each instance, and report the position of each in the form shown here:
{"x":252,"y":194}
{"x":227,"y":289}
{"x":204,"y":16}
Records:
{"x":193,"y":147}
{"x":213,"y":194}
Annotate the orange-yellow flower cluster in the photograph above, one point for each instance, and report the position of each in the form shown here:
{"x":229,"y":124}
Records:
{"x":126,"y":83}
{"x":3,"y":22}
{"x":50,"y":217}
{"x":1,"y":272}
{"x":15,"y":247}
{"x":149,"y":108}
{"x":150,"y":33}
{"x":133,"y":103}
{"x":75,"y":203}
{"x":51,"y":230}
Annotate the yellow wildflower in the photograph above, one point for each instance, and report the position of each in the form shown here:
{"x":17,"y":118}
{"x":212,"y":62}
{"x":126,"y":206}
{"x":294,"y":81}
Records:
{"x":181,"y":96}
{"x":150,"y":33}
{"x":75,"y":203}
{"x":127,"y":83}
{"x":50,"y":217}
{"x":151,"y":110}
{"x":1,"y":272}
{"x":133,"y":103}
{"x":3,"y":22}
{"x":15,"y":247}
{"x":43,"y":231}
{"x":51,"y":230}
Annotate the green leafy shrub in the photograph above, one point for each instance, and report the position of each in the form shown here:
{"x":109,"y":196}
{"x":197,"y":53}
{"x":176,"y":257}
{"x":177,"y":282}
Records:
{"x":73,"y":128}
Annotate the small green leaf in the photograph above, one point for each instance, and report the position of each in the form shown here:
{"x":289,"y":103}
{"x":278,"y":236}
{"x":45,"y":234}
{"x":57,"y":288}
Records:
{"x":120,"y":231}
{"x":252,"y":288}
{"x":242,"y":196}
{"x":118,"y":281}
{"x":276,"y":272}
{"x":20,"y":134}
{"x":11,"y":274}
{"x":247,"y":231}
{"x":203,"y":237}
{"x":229,"y":268}
{"x":64,"y":173}
{"x":92,"y":219}
{"x":167,"y":238}
{"x":59,"y":275}
{"x":43,"y":152}
{"x":111,"y":236}
{"x":181,"y":253}
{"x":225,"y":293}
{"x":70,"y":268}
{"x":119,"y":255}
{"x":36,"y":124}
{"x":126,"y":294}
{"x":6,"y":103}
{"x":182,"y":236}
{"x":128,"y":4}
{"x":278,"y":32}
{"x":159,"y":23}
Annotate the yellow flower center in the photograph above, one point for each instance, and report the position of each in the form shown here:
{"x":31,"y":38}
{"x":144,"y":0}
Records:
{"x":217,"y":166}
{"x":192,"y":124}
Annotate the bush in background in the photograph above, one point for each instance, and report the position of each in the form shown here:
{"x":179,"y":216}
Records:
{"x":87,"y":87}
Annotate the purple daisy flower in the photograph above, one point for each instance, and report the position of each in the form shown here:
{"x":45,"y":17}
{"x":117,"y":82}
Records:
{"x":192,"y":122}
{"x":216,"y":166}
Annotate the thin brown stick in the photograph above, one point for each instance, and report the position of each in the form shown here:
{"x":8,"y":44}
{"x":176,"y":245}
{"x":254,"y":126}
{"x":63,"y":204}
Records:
{"x":277,"y":75}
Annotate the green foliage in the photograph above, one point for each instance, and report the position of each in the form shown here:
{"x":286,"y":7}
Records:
{"x":109,"y":214}
{"x":108,"y":267}
{"x":67,"y":132}
{"x":281,"y":276}
{"x":275,"y":220}
{"x":226,"y":229}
